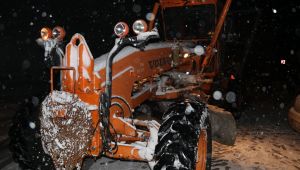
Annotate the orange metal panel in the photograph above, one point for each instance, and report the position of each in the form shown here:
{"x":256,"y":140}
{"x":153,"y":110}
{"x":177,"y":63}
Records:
{"x":67,"y":79}
{"x":123,"y":128}
{"x":141,"y":63}
{"x":86,"y":67}
{"x":154,"y":12}
{"x":130,"y":139}
{"x":93,"y":99}
{"x":137,"y":101}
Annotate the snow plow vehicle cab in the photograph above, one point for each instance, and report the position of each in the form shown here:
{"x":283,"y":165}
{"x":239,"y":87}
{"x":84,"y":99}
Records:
{"x":92,"y":113}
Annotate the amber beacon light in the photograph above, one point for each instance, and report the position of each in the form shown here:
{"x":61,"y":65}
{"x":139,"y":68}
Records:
{"x":46,"y":33}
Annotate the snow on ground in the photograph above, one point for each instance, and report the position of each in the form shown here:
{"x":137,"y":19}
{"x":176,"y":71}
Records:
{"x":264,"y":141}
{"x":270,"y":149}
{"x":255,"y":149}
{"x":112,"y":164}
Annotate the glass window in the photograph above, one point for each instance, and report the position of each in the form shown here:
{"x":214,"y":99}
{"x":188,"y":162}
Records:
{"x":189,"y":22}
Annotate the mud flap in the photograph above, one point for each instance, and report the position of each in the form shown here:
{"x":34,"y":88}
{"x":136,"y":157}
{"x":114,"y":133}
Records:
{"x":223,"y":125}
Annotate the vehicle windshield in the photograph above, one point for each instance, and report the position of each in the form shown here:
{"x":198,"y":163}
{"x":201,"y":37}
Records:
{"x":189,"y":22}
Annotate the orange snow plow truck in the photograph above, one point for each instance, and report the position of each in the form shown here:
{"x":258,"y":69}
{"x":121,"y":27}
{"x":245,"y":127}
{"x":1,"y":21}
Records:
{"x":96,"y":105}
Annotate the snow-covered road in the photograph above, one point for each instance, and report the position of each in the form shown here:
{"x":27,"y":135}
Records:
{"x":264,"y":141}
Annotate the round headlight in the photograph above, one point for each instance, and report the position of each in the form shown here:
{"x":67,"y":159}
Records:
{"x":186,"y":55}
{"x":139,"y":26}
{"x":46,"y":33}
{"x":58,"y":33}
{"x":121,"y":29}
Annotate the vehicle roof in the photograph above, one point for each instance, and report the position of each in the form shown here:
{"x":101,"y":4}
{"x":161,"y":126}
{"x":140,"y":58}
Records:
{"x":177,"y":3}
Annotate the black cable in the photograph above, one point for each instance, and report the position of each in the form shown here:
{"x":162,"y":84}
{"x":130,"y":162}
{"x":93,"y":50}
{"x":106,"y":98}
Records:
{"x":106,"y":97}
{"x":115,"y":141}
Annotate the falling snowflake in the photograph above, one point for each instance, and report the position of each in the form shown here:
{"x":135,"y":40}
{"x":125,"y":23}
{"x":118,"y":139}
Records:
{"x":15,"y":14}
{"x":32,"y":125}
{"x":136,"y":8}
{"x":26,"y":64}
{"x":3,"y":87}
{"x":1,"y":27}
{"x":44,"y":14}
{"x":150,"y":16}
{"x":281,"y":105}
{"x":94,"y":12}
{"x":217,"y":95}
{"x":284,"y":86}
{"x":35,"y":101}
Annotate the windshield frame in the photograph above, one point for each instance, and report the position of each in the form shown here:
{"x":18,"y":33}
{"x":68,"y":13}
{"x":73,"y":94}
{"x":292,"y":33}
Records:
{"x":168,"y":38}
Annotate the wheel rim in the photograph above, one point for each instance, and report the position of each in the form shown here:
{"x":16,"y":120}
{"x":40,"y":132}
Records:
{"x":202,"y":151}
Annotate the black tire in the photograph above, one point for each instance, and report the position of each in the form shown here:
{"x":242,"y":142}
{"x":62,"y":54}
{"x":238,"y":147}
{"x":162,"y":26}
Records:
{"x":179,"y":134}
{"x":25,"y":140}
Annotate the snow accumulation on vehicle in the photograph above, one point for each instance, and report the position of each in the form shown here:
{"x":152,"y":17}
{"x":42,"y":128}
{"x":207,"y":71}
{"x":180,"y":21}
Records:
{"x":101,"y":61}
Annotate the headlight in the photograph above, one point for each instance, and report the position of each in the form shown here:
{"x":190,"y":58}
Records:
{"x":58,"y":33}
{"x":46,"y":33}
{"x":121,"y":29}
{"x":186,"y":55}
{"x":139,"y":26}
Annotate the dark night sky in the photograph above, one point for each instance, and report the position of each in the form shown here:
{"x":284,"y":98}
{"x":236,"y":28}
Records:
{"x":269,"y":30}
